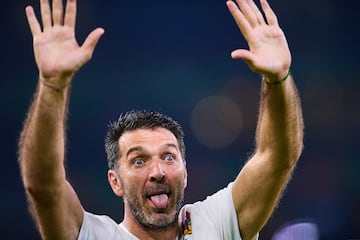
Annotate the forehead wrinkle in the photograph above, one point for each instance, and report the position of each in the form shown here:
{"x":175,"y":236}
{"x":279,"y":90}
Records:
{"x":141,"y":149}
{"x":144,"y":140}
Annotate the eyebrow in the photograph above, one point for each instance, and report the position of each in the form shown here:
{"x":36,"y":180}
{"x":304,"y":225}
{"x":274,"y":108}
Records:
{"x":170,"y":145}
{"x":140,"y":149}
{"x":134,"y":149}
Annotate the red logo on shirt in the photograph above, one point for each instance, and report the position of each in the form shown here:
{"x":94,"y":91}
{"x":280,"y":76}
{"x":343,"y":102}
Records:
{"x":186,"y":224}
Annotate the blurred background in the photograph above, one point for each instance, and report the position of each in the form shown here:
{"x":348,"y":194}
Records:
{"x":174,"y":57}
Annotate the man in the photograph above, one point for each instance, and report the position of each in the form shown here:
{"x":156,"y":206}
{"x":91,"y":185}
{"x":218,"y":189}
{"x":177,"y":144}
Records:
{"x":145,"y":149}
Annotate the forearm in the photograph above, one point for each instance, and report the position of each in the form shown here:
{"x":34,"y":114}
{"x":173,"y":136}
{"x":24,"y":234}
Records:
{"x":260,"y":183}
{"x":280,"y":124}
{"x":42,"y":142}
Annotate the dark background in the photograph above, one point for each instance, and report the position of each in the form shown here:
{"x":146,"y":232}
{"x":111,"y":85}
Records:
{"x":170,"y":56}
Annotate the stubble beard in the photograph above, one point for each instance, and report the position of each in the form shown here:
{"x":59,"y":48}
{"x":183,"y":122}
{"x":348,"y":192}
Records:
{"x":155,"y":220}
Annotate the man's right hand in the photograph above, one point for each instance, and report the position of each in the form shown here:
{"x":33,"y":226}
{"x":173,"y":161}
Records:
{"x":57,"y":53}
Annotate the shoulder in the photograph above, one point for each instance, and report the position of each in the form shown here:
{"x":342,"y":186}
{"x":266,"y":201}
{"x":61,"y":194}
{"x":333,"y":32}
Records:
{"x":98,"y":227}
{"x":223,"y":197}
{"x":212,"y":218}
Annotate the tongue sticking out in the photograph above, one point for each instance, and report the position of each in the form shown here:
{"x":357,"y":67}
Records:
{"x":160,"y":201}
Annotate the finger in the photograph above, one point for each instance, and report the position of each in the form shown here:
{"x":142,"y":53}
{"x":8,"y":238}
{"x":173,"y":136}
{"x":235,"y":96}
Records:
{"x":32,"y":20}
{"x":239,"y":18}
{"x":91,"y":41}
{"x":248,"y":12}
{"x":256,"y":11}
{"x":57,"y":12}
{"x":269,"y":13}
{"x":45,"y":14}
{"x":70,"y":13}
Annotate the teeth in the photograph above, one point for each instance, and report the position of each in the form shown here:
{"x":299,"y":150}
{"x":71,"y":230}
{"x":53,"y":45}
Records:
{"x":160,"y":201}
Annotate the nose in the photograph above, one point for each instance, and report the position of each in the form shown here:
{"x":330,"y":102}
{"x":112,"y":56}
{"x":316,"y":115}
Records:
{"x":157,"y":173}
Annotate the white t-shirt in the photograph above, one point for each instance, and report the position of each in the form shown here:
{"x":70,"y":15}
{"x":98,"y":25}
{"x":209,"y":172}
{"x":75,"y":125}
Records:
{"x":212,"y":219}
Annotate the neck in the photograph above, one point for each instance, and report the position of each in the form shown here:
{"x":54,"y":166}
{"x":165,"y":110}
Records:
{"x":141,"y":232}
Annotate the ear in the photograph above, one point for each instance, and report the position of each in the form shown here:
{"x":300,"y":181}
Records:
{"x":115,"y":183}
{"x":185,"y":177}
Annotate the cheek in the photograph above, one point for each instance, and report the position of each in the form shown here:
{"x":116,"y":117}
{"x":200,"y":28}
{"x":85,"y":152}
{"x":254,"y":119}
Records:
{"x":132,"y":184}
{"x":180,"y":177}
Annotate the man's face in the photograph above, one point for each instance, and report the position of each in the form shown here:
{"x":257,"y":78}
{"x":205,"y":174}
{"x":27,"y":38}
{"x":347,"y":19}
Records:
{"x":152,"y":176}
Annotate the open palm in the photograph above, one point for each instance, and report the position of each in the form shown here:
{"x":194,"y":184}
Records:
{"x":56,"y":50}
{"x":268,"y":52}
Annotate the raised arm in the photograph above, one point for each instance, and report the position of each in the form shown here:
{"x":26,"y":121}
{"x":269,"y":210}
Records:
{"x":54,"y":205}
{"x":260,"y":183}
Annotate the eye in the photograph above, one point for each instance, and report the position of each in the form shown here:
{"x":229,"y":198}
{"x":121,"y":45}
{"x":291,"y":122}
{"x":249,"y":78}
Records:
{"x":169,"y":158}
{"x":138,"y":162}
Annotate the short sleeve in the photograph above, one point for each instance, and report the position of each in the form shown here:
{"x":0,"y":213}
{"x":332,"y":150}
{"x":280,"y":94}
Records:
{"x":98,"y":227}
{"x":215,"y":216}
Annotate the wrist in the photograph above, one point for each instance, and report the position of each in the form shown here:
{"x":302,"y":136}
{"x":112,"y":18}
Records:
{"x":276,"y":79}
{"x":55,"y":83}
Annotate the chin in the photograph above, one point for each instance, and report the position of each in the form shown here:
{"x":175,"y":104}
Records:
{"x":159,"y":219}
{"x":161,"y":222}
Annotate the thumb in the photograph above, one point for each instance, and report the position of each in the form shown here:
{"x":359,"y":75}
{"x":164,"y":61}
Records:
{"x":91,"y":41}
{"x":242,"y":54}
{"x":246,"y":56}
